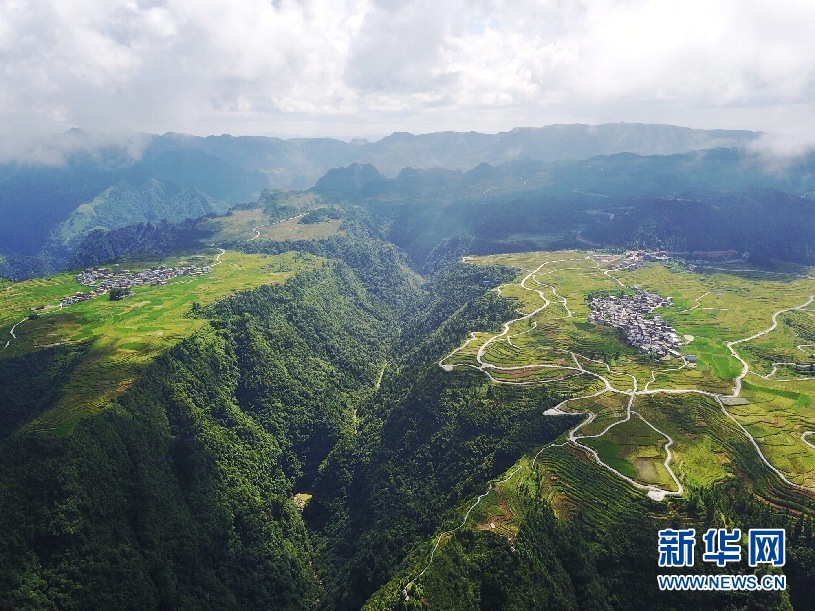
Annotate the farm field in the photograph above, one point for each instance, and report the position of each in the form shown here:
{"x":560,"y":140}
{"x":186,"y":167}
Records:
{"x":734,"y":400}
{"x":256,"y":224}
{"x":120,"y":338}
{"x":744,"y":367}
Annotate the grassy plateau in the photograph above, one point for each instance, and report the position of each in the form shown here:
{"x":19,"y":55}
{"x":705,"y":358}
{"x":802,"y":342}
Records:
{"x":122,"y":337}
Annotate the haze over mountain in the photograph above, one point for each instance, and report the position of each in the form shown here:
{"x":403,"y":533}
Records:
{"x":298,"y":162}
{"x":35,"y":197}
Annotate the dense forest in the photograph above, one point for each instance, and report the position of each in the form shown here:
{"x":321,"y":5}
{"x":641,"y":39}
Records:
{"x":180,"y":494}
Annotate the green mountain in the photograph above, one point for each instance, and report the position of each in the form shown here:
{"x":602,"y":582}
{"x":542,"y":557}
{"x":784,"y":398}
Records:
{"x":126,"y":203}
{"x":314,"y":402}
{"x":193,"y":469}
{"x":719,"y":199}
{"x":297,"y":445}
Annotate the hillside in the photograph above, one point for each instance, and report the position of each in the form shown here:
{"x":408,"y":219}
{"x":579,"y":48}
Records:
{"x":646,"y":442}
{"x":111,"y":342}
{"x":126,"y":203}
{"x":188,"y":475}
{"x":329,"y":399}
{"x":704,"y":201}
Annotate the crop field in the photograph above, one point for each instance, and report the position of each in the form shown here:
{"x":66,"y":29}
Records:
{"x":235,"y":226}
{"x":256,"y":224}
{"x":742,"y":403}
{"x":634,"y":449}
{"x":293,"y":229}
{"x":734,"y":397}
{"x":122,"y":337}
{"x":735,"y":400}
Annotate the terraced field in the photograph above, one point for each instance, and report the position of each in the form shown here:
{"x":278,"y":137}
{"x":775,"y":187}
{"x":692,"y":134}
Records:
{"x":122,"y":337}
{"x":736,"y":401}
{"x":748,"y":333}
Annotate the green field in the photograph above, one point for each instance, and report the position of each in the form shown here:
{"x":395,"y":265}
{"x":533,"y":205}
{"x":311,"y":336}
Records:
{"x":122,"y":337}
{"x":256,"y":224}
{"x":552,"y":343}
{"x":652,"y":428}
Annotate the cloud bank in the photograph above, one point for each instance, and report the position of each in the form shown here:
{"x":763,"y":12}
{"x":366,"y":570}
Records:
{"x":359,"y":67}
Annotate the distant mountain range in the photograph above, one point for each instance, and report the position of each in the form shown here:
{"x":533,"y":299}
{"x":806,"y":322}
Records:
{"x":34,"y":199}
{"x":621,"y":175}
{"x":297,"y":163}
{"x":717,"y":199}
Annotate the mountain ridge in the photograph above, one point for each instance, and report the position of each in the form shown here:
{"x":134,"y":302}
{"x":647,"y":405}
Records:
{"x":35,"y":199}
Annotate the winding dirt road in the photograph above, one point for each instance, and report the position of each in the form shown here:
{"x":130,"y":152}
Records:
{"x":256,"y":228}
{"x":654,"y":492}
{"x":574,"y":437}
{"x":12,"y":333}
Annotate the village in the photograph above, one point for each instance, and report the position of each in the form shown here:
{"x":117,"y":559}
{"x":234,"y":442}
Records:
{"x":104,"y":280}
{"x":628,"y":314}
{"x":634,"y":259}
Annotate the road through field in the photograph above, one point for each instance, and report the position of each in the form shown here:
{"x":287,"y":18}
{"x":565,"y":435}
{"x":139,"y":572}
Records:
{"x":745,"y":367}
{"x":633,"y":392}
{"x":256,"y":228}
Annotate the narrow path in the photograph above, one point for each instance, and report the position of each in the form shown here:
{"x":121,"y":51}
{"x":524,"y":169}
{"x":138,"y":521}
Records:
{"x":532,"y":328}
{"x":472,"y":338}
{"x":256,"y":228}
{"x":615,"y":278}
{"x":653,"y":374}
{"x":480,"y":498}
{"x":381,"y":373}
{"x":763,"y":458}
{"x":562,"y":299}
{"x":745,"y":369}
{"x":697,"y":300}
{"x":782,"y":364}
{"x":12,"y":333}
{"x":480,"y":354}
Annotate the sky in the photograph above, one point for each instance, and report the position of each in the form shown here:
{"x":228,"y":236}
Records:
{"x":346,"y":68}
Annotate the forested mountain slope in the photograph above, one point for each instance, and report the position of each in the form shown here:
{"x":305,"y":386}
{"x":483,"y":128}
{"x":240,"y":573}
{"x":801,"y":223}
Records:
{"x":180,"y":493}
{"x":713,"y":200}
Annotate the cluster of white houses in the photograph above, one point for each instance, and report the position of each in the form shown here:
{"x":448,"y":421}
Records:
{"x":103,"y":280}
{"x":627,"y":313}
{"x":631,"y":260}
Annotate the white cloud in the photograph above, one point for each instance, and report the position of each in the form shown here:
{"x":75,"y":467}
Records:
{"x":341,"y":67}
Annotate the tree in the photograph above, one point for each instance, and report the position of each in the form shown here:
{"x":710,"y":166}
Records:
{"x":118,"y":293}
